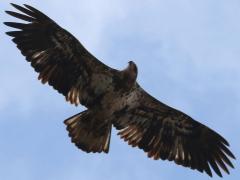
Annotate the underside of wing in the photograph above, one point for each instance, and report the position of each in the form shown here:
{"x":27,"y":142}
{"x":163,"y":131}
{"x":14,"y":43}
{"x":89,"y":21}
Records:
{"x":58,"y":57}
{"x":168,"y":134}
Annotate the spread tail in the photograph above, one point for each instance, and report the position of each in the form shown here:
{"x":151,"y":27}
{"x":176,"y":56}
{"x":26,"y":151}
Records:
{"x":88,"y":134}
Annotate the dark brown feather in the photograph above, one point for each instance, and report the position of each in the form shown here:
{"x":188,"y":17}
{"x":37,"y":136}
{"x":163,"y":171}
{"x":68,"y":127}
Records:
{"x":21,"y":16}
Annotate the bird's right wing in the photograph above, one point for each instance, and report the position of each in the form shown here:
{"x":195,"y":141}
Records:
{"x":58,"y":57}
{"x":166,"y":133}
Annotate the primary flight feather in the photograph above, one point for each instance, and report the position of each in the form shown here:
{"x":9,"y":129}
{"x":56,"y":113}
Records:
{"x":113,"y":97}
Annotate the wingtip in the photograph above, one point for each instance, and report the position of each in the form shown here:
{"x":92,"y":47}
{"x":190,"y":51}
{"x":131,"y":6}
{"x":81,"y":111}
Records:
{"x":230,"y":154}
{"x":14,"y":5}
{"x":13,"y":24}
{"x":7,"y":33}
{"x":6,"y":23}
{"x":9,"y":12}
{"x":225,"y":141}
{"x":28,"y":6}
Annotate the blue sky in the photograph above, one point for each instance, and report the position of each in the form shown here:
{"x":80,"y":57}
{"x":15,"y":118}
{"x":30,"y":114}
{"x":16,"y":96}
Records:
{"x":188,"y":56}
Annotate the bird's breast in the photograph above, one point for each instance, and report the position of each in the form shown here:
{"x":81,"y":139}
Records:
{"x":116,"y":101}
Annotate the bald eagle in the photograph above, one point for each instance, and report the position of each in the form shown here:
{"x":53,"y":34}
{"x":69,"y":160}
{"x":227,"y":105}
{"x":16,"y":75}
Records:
{"x":113,"y":97}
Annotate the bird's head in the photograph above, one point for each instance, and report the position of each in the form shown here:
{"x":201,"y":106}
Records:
{"x":132,"y":67}
{"x":132,"y":71}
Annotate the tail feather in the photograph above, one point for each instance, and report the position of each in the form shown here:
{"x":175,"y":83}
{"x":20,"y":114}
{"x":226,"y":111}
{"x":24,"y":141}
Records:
{"x":87,"y":134}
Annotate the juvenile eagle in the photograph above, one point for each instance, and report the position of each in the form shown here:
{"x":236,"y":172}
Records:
{"x":113,"y":97}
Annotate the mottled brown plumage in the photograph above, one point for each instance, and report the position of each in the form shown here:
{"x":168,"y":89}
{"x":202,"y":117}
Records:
{"x":113,"y":97}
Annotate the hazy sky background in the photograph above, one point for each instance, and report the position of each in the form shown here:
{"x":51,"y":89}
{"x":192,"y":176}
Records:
{"x":188,"y":56}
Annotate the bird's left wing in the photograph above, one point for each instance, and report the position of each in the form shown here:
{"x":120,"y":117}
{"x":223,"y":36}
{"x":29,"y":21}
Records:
{"x":58,"y":57}
{"x":166,"y":133}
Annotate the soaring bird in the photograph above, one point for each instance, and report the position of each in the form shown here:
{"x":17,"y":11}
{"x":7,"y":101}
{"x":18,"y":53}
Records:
{"x":113,"y":97}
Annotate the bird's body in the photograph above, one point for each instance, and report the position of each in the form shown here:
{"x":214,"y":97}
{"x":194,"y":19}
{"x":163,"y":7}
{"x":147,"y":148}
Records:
{"x":113,"y":98}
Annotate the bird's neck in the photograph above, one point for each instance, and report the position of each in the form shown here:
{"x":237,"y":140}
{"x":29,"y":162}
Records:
{"x":128,"y":78}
